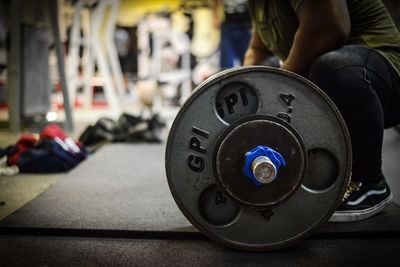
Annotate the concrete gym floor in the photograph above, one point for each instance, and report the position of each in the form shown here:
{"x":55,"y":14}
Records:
{"x":115,"y":210}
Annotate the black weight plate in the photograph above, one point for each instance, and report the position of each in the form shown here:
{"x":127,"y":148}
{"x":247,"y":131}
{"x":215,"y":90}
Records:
{"x":232,"y":95}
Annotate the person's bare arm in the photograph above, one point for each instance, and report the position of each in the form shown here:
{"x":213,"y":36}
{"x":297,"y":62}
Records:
{"x":256,"y":52}
{"x":324,"y":25}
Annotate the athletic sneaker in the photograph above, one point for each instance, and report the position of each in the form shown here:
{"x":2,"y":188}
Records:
{"x":361,"y":201}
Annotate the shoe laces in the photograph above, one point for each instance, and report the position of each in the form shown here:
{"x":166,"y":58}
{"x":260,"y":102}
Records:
{"x":351,"y":188}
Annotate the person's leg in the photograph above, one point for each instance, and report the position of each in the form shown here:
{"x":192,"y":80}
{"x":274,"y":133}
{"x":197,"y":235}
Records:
{"x":227,"y":55}
{"x":361,"y":83}
{"x":392,"y":110}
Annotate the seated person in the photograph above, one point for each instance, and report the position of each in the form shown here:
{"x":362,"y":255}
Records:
{"x":351,"y":50}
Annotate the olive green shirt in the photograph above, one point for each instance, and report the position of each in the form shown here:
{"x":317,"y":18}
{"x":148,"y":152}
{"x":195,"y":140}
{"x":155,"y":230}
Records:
{"x":371,"y":25}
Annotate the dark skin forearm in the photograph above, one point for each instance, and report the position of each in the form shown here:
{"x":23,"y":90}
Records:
{"x":256,"y":52}
{"x":324,"y":25}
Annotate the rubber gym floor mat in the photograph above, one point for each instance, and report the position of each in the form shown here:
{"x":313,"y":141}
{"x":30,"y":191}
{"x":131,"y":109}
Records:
{"x":16,"y":191}
{"x":122,"y":188}
{"x":78,"y":251}
{"x":391,"y":160}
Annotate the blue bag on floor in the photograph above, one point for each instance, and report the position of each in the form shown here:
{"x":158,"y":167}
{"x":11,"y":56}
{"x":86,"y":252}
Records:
{"x":49,"y":157}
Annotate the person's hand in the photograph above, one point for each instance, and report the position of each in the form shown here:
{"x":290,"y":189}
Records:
{"x":249,"y":57}
{"x":256,"y":52}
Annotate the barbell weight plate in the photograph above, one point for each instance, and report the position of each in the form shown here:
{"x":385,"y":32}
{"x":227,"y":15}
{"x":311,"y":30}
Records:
{"x":302,"y":124}
{"x":247,"y":133}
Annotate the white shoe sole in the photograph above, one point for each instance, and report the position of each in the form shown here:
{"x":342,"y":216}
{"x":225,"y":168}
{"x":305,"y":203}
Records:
{"x":352,"y":215}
